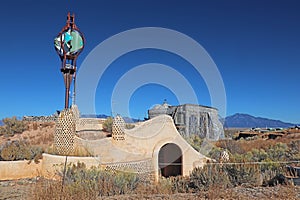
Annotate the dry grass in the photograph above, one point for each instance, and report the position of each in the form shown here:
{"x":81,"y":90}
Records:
{"x":54,"y":191}
{"x":46,"y":190}
{"x":41,"y":134}
{"x":211,"y":182}
{"x":244,"y":146}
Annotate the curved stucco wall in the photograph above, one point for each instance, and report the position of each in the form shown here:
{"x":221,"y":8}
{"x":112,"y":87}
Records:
{"x":149,"y":137}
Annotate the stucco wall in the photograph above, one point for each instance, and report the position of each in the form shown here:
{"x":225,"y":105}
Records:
{"x":47,"y":167}
{"x":52,"y":164}
{"x":145,"y":142}
{"x":154,"y":134}
{"x":10,"y":170}
{"x":89,"y":124}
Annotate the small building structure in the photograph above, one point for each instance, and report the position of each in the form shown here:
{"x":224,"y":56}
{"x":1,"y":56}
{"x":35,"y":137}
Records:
{"x":192,"y":119}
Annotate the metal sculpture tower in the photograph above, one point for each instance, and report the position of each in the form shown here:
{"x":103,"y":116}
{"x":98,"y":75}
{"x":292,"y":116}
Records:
{"x":68,"y":44}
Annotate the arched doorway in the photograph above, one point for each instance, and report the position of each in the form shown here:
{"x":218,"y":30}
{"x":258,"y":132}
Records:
{"x":170,"y":160}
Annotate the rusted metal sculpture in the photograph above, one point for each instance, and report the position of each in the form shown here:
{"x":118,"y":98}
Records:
{"x":68,"y":44}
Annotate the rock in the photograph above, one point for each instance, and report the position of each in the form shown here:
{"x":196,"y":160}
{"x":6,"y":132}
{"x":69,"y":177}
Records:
{"x":278,"y":179}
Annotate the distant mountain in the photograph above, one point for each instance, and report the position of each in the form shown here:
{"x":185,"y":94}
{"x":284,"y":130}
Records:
{"x":94,"y":116}
{"x":103,"y":116}
{"x":1,"y":123}
{"x":247,"y":121}
{"x":130,"y":120}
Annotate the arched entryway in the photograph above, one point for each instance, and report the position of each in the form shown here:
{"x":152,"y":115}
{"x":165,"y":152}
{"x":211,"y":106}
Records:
{"x":170,"y":160}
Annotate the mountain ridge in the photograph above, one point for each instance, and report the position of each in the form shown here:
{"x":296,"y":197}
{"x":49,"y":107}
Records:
{"x":240,"y":120}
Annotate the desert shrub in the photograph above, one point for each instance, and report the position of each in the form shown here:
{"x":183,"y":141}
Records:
{"x":107,"y":124}
{"x":102,"y":182}
{"x":47,"y":124}
{"x":195,"y":141}
{"x":180,"y":184}
{"x":13,"y":126}
{"x":230,"y":175}
{"x":9,"y":152}
{"x":209,"y":176}
{"x":20,"y":150}
{"x":269,"y":153}
{"x":232,"y":146}
{"x":278,"y":152}
{"x":215,"y":153}
{"x":230,"y":133}
{"x":34,"y":126}
{"x":164,"y":186}
{"x":239,"y":174}
{"x":271,"y":170}
{"x":2,"y":130}
{"x":294,"y":150}
{"x":258,"y":155}
{"x":125,"y":182}
{"x":129,"y":126}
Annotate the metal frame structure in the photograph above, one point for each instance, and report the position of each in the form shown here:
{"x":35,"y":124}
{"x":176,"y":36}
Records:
{"x":68,"y":54}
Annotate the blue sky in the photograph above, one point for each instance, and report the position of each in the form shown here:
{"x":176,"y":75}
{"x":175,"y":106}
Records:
{"x":255,"y":45}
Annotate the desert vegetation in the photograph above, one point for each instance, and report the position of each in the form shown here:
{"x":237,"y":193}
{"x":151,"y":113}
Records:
{"x":20,"y":140}
{"x":12,"y":126}
{"x":255,"y":163}
{"x":211,"y":181}
{"x":107,"y":125}
{"x":20,"y":150}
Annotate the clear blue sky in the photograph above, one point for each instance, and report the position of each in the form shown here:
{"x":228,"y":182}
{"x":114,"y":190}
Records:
{"x":254,"y":43}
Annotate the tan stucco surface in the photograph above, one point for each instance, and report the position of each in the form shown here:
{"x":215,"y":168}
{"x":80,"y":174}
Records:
{"x":141,"y":143}
{"x":10,"y":170}
{"x":144,"y":142}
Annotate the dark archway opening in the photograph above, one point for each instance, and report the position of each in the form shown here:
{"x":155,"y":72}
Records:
{"x":170,"y":160}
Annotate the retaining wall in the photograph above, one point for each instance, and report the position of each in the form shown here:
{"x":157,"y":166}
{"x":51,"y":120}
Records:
{"x":51,"y":165}
{"x":47,"y":167}
{"x":10,"y":170}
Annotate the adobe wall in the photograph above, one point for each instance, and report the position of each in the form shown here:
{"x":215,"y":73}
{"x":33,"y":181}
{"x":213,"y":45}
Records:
{"x":89,"y":124}
{"x":53,"y":164}
{"x":10,"y":170}
{"x":154,"y":134}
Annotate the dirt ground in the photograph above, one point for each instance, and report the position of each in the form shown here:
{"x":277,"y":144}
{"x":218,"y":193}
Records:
{"x":16,"y":189}
{"x":22,"y":189}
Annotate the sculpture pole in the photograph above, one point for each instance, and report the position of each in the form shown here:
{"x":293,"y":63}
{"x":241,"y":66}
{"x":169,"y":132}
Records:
{"x":68,"y":44}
